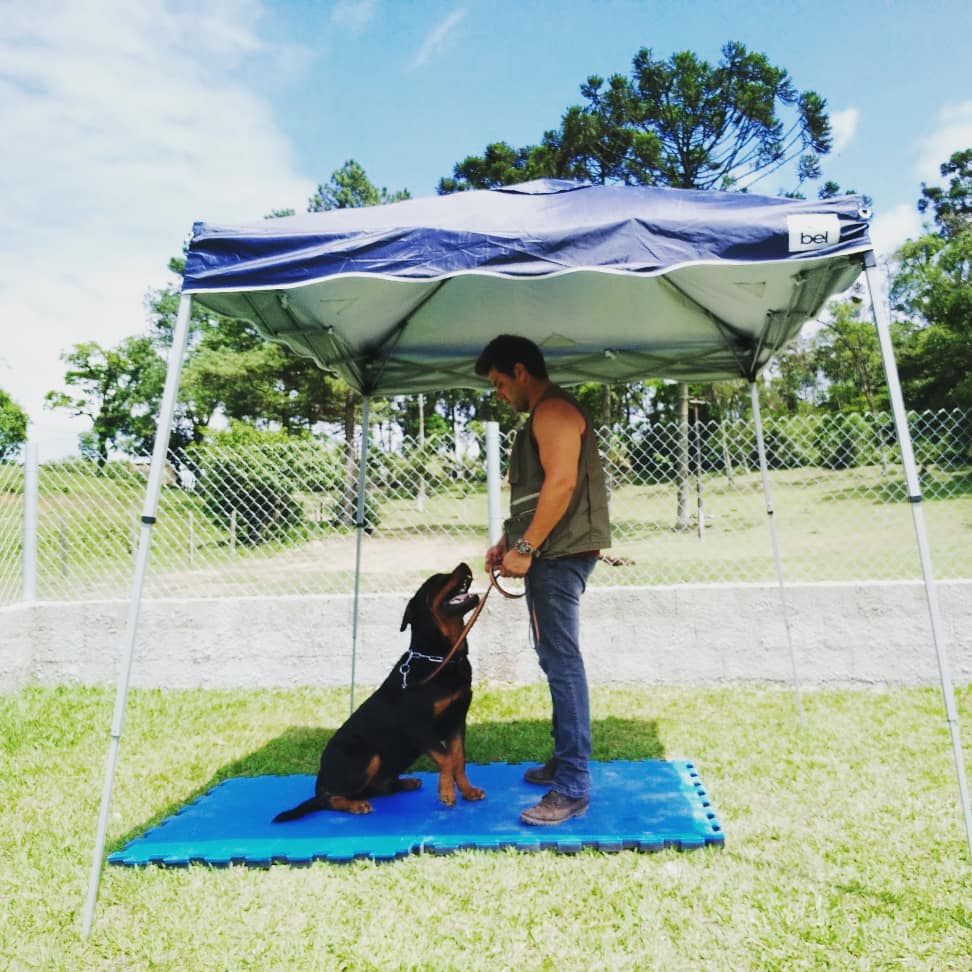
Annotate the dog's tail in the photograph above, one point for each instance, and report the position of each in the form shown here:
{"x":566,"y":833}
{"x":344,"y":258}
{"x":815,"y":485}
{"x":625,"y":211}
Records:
{"x":295,"y":813}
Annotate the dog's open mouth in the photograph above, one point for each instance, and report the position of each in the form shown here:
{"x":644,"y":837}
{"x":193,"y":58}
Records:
{"x":461,"y":601}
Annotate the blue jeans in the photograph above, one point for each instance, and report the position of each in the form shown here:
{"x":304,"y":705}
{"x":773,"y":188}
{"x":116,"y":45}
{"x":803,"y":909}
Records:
{"x":553,"y":591}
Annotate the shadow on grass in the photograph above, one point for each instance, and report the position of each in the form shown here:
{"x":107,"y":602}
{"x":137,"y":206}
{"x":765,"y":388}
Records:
{"x":298,"y":750}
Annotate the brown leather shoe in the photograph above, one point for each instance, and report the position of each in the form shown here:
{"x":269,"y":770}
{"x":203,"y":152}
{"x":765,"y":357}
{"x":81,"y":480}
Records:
{"x":542,"y":775}
{"x":554,"y":808}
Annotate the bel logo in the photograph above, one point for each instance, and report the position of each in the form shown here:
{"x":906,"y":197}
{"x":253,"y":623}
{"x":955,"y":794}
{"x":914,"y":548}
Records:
{"x":813,"y":231}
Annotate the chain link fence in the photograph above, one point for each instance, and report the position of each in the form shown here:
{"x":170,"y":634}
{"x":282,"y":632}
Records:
{"x":687,"y":506}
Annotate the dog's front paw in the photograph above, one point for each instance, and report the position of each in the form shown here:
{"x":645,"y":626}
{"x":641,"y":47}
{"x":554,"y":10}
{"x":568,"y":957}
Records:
{"x":447,"y":795}
{"x":473,"y":793}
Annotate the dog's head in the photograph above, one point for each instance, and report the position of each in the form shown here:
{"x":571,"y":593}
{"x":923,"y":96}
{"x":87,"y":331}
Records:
{"x":440,"y":604}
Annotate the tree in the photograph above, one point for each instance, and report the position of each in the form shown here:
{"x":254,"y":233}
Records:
{"x":350,"y":188}
{"x":119,"y":389}
{"x":847,"y":353}
{"x":13,"y":427}
{"x":952,"y":207}
{"x":680,"y":122}
{"x":793,"y":380}
{"x":932,"y":290}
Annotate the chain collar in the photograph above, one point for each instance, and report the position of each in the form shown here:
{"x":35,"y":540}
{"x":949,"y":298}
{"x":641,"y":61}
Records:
{"x":406,"y":665}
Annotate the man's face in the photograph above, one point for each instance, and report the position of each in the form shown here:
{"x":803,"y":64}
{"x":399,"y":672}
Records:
{"x":510,"y":388}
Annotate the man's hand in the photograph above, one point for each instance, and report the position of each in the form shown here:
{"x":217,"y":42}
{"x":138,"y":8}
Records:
{"x":515,"y":564}
{"x":495,"y":555}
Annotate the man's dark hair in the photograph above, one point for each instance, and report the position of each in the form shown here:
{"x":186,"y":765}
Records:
{"x":506,"y":350}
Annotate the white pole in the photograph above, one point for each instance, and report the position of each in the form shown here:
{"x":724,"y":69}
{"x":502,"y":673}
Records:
{"x":764,"y":472}
{"x":31,"y":490}
{"x":494,"y":514}
{"x":420,"y":498}
{"x":149,"y":510}
{"x":359,"y":518}
{"x":882,"y":319}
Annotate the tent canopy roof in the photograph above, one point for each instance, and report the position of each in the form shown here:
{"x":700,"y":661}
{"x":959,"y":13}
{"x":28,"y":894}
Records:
{"x":615,"y":283}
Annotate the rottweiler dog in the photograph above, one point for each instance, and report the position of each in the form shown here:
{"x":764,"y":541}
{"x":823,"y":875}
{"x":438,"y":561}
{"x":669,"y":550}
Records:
{"x":420,"y":708}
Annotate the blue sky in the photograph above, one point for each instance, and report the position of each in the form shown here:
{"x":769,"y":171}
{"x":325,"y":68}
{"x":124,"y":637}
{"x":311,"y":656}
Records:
{"x":126,"y":122}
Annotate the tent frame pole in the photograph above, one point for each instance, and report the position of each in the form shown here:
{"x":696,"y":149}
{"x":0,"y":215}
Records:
{"x":149,"y":510}
{"x":770,"y":516}
{"x":360,"y":524}
{"x":882,"y":320}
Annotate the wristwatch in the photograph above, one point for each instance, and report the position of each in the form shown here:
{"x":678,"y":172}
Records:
{"x":524,"y":547}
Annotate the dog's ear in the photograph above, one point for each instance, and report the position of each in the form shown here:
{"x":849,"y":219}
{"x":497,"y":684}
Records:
{"x":407,"y":616}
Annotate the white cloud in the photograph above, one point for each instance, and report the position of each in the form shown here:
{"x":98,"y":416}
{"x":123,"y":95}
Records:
{"x":843,"y":125}
{"x":354,"y":15}
{"x":437,"y":39}
{"x":953,"y":133}
{"x":123,"y":123}
{"x":890,"y":229}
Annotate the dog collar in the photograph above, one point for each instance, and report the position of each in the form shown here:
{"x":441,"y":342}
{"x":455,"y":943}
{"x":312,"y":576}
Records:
{"x":406,"y":665}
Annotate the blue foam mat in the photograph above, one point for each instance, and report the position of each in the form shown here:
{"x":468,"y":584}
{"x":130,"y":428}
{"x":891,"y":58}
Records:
{"x":644,"y":805}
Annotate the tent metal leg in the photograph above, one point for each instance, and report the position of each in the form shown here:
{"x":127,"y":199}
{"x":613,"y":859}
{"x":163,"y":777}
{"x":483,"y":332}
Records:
{"x":764,"y":473}
{"x":360,"y":523}
{"x":882,"y":320}
{"x":149,"y":510}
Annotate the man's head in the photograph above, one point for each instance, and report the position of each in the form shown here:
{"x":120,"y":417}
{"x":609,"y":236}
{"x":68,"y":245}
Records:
{"x":515,"y":368}
{"x":506,"y":351}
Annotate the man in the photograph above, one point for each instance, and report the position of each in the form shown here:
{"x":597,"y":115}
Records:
{"x":558,"y":525}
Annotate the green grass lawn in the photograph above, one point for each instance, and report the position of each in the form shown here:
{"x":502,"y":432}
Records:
{"x":845,"y":847}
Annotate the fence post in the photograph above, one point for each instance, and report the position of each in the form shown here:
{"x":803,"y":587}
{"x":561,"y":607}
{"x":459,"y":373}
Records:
{"x":494,"y":515}
{"x":31,"y":490}
{"x":420,"y":496}
{"x":696,"y":402}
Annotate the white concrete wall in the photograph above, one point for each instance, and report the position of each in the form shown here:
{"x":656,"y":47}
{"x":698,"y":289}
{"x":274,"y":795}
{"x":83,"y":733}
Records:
{"x":843,"y":634}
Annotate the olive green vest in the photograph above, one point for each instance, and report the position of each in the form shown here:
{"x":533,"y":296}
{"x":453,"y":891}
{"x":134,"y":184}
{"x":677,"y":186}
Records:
{"x":585,"y":526}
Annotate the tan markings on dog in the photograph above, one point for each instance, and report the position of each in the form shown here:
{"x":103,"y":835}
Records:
{"x":442,"y":704}
{"x":350,"y":806}
{"x":371,"y":770}
{"x":445,"y":764}
{"x":457,"y":753}
{"x":450,"y":627}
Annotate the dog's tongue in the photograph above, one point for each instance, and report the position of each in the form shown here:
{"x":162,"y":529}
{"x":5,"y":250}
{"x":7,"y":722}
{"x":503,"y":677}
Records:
{"x":459,"y":599}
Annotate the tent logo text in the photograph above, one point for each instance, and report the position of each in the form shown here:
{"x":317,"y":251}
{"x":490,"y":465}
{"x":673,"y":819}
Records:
{"x":813,"y":231}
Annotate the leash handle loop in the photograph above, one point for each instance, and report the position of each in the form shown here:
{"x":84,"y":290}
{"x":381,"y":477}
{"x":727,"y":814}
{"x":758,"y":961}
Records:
{"x":494,"y":573}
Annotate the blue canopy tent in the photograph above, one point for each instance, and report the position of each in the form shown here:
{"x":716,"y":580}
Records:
{"x":615,"y":283}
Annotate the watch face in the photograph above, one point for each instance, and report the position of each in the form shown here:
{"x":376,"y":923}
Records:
{"x":522,"y":547}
